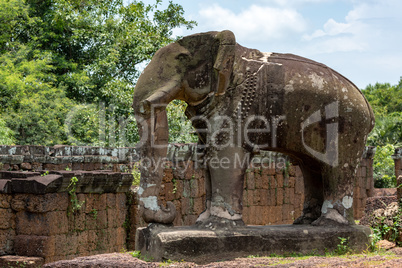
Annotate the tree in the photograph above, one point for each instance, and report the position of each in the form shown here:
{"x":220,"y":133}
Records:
{"x":58,"y":56}
{"x":97,"y":45}
{"x":6,"y":134}
{"x":31,"y":105}
{"x":386,"y":101}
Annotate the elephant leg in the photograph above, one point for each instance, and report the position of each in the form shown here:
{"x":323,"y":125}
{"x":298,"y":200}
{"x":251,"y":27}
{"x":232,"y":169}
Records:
{"x":337,"y":207}
{"x":313,"y":196}
{"x":227,"y":168}
{"x":208,"y":190}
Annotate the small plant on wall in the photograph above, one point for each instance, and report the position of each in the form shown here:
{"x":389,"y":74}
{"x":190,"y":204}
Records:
{"x":75,"y":204}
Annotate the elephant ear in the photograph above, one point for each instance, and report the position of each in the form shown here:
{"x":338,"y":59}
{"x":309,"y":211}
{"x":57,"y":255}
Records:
{"x":224,"y":60}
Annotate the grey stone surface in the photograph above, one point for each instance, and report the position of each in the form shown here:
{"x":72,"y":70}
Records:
{"x":191,"y":244}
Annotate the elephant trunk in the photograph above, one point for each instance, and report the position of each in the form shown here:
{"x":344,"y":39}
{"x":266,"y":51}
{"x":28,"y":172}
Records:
{"x":149,"y":105}
{"x":154,"y":133}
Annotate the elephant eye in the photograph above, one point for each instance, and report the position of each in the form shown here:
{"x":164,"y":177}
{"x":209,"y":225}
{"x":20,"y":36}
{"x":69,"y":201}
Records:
{"x":182,"y":56}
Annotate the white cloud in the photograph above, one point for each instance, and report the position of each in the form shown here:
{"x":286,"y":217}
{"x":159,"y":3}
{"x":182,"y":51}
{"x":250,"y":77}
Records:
{"x":331,"y":28}
{"x":256,"y":23}
{"x":364,"y":28}
{"x":297,"y":2}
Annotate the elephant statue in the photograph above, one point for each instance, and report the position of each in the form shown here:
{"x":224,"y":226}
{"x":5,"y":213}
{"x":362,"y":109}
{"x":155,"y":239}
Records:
{"x":241,"y":101}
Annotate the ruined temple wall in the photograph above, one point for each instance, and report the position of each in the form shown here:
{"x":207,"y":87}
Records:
{"x":364,"y":182}
{"x":273,"y":194}
{"x":62,"y":157}
{"x":45,"y":226}
{"x":48,"y":216}
{"x":398,"y":162}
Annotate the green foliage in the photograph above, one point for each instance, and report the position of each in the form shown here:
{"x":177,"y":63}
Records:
{"x":383,"y":167}
{"x":343,"y":246}
{"x":75,"y":204}
{"x":137,"y":254}
{"x":137,"y":175}
{"x":386,"y":101}
{"x":6,"y":134}
{"x":384,"y":98}
{"x":94,"y":213}
{"x":30,"y":103}
{"x":97,"y":45}
{"x":388,"y":130}
{"x":386,"y":229}
{"x":55,"y":54}
{"x":180,"y":128}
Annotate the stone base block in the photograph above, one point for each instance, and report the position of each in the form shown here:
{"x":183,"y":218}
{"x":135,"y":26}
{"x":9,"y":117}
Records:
{"x":21,"y":261}
{"x":197,"y":245}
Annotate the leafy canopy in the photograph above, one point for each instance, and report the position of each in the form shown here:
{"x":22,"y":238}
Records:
{"x":386,"y":101}
{"x":58,"y":56}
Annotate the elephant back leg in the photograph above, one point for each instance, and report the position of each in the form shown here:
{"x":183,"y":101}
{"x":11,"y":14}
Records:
{"x":313,"y":195}
{"x":338,"y":183}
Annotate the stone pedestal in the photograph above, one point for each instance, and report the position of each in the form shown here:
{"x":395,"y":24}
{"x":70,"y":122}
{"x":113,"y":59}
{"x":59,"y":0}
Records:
{"x":191,"y":244}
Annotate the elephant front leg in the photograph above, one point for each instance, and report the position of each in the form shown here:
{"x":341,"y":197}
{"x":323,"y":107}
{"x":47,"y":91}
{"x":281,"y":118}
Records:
{"x":226,"y":168}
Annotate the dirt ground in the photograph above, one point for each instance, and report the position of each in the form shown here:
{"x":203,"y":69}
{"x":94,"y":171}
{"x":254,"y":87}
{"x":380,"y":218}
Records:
{"x":393,"y":258}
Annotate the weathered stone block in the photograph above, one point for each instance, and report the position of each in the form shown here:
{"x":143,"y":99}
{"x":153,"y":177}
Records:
{"x":185,"y":206}
{"x":169,"y":191}
{"x":121,"y":201}
{"x":292,"y":170}
{"x":65,"y":244}
{"x":199,"y":205}
{"x":298,"y":200}
{"x":246,"y":213}
{"x":279,"y":180}
{"x":92,"y":240}
{"x":194,"y":189}
{"x":41,"y":224}
{"x":272,"y":197}
{"x":179,"y":184}
{"x":279,"y":196}
{"x":7,"y":241}
{"x":268,"y":171}
{"x":252,"y":215}
{"x":21,"y":261}
{"x":250,"y":197}
{"x":120,"y":238}
{"x":7,"y":218}
{"x":299,"y":187}
{"x":256,"y":197}
{"x":34,"y":246}
{"x":189,"y":220}
{"x":96,"y":220}
{"x":167,"y":175}
{"x":40,"y":203}
{"x":299,"y":173}
{"x":5,"y":200}
{"x":95,"y":202}
{"x":292,"y":182}
{"x":110,"y":200}
{"x":264,"y":182}
{"x":263,"y":197}
{"x":26,"y":166}
{"x":193,"y":244}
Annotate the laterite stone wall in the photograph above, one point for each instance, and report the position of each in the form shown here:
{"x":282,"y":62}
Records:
{"x":40,"y":219}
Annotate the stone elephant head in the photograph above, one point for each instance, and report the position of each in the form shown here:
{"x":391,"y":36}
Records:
{"x":190,"y":69}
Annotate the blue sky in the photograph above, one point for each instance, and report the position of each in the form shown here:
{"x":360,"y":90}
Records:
{"x":361,"y":39}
